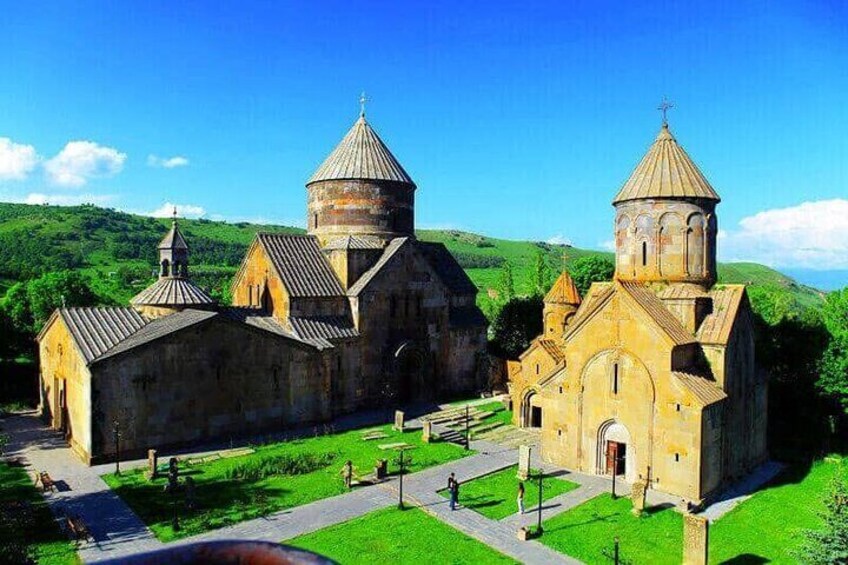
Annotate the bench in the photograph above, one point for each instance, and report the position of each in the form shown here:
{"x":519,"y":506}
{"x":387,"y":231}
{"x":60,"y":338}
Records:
{"x":46,"y":482}
{"x":78,"y":529}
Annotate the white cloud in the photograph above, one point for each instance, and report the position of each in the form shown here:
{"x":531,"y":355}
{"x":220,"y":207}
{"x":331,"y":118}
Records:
{"x":16,"y":160}
{"x":166,"y":210}
{"x":558,"y":239}
{"x":812,"y":235}
{"x":609,"y":245}
{"x":80,"y":161}
{"x":167,"y":162}
{"x":66,"y":199}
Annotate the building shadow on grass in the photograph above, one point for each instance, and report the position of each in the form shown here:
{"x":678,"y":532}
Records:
{"x":595,"y":519}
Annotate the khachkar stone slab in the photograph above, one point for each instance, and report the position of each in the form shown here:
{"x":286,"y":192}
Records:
{"x":524,"y":462}
{"x":696,"y":539}
{"x":638,"y":491}
{"x":399,"y":420}
{"x":427,"y":431}
{"x":152,"y":464}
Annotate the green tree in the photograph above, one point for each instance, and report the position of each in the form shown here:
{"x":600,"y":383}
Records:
{"x":586,"y":270}
{"x":506,"y":283}
{"x":833,"y":367}
{"x":540,"y":274}
{"x":830,"y":544}
{"x":515,"y":325}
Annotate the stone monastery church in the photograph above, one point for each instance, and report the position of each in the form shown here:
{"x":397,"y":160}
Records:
{"x":355,"y":314}
{"x":651,"y":376}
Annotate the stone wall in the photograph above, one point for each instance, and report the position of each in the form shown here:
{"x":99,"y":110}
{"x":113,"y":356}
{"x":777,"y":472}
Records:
{"x":256,"y":284}
{"x":63,"y":372}
{"x":666,"y":240}
{"x":217,"y":379}
{"x":349,"y":207}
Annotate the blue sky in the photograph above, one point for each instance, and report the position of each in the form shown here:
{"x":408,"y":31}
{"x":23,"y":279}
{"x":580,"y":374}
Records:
{"x":516,"y":120}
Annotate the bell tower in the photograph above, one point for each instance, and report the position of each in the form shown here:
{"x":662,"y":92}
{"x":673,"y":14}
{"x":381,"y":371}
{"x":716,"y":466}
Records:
{"x":173,"y":253}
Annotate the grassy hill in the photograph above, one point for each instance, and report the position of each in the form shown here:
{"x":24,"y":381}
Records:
{"x":118,"y":252}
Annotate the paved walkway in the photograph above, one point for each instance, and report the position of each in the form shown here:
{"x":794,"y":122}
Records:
{"x":743,"y":490}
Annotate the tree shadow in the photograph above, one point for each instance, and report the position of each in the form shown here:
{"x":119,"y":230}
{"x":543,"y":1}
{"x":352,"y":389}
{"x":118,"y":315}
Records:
{"x":605,"y":518}
{"x":746,"y":559}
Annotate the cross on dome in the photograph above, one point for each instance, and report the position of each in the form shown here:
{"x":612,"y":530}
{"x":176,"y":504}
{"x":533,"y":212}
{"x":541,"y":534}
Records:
{"x":664,"y":107}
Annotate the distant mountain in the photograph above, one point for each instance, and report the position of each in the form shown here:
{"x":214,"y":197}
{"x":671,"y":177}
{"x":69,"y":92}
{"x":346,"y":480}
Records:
{"x":118,"y":252}
{"x":824,"y":280}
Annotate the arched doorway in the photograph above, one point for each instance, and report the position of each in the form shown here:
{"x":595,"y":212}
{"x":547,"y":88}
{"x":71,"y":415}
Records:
{"x":410,"y":369}
{"x":615,"y":451}
{"x":531,"y":410}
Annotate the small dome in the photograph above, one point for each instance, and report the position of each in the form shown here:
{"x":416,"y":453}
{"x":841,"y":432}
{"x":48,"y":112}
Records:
{"x":564,"y":291}
{"x":666,"y":171}
{"x":361,"y":155}
{"x":173,"y":292}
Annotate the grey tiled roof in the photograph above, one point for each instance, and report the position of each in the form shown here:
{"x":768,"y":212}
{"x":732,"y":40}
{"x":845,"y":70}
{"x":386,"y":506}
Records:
{"x":322,"y":330}
{"x":160,"y":327}
{"x":355,"y":242}
{"x":172,"y":291}
{"x":361,"y":155}
{"x":447,"y":268}
{"x":257,"y":318}
{"x":392,"y":248}
{"x":716,"y":327}
{"x":97,"y":330}
{"x":666,"y":171}
{"x":305,"y":272}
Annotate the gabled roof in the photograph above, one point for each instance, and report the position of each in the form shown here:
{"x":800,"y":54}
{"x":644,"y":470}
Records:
{"x":355,"y":242}
{"x":97,"y":330}
{"x":257,"y":318}
{"x":680,"y":292}
{"x":666,"y":171}
{"x":173,"y":239}
{"x":361,"y":155}
{"x":322,"y":330}
{"x":549,"y":346}
{"x":598,"y":295}
{"x":704,"y":390}
{"x":716,"y":327}
{"x":654,"y":307}
{"x":160,"y":327}
{"x":304,"y":271}
{"x":447,"y":268}
{"x":391,"y":249}
{"x":171,"y":291}
{"x":564,"y":291}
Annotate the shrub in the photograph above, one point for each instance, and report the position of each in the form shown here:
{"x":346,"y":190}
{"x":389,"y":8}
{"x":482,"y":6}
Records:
{"x":256,"y":469}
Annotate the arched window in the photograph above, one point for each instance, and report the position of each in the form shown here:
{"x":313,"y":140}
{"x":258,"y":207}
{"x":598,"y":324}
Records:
{"x":644,"y":253}
{"x":615,"y":383}
{"x":315,"y":220}
{"x":165,"y":267}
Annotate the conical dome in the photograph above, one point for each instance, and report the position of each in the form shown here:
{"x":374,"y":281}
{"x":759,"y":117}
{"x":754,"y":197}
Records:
{"x":564,"y":291}
{"x":361,"y":155}
{"x":666,"y":171}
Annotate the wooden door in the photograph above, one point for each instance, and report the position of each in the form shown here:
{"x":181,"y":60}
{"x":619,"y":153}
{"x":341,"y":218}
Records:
{"x":612,"y":455}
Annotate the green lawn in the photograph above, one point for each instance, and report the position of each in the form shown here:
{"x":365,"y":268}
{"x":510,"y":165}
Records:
{"x":768,"y":525}
{"x":399,"y":537}
{"x":764,"y":529}
{"x":587,"y":532}
{"x":494,"y":495}
{"x":49,"y":545}
{"x":222,"y":501}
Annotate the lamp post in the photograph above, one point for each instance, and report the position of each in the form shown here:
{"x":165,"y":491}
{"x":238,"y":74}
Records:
{"x":615,"y":552}
{"x":467,"y":433}
{"x":400,"y":486}
{"x":539,"y":521}
{"x":116,"y":428}
{"x":175,"y":522}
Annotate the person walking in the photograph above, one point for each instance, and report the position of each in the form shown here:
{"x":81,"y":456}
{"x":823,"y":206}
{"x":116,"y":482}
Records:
{"x":452,"y":491}
{"x":521,"y":498}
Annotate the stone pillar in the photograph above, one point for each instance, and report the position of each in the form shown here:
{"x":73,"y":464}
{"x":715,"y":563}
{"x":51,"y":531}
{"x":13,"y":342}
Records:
{"x":152,"y":464}
{"x":524,"y":462}
{"x":638,"y":491}
{"x":427,"y":431}
{"x":398,"y":420}
{"x":696,"y":539}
